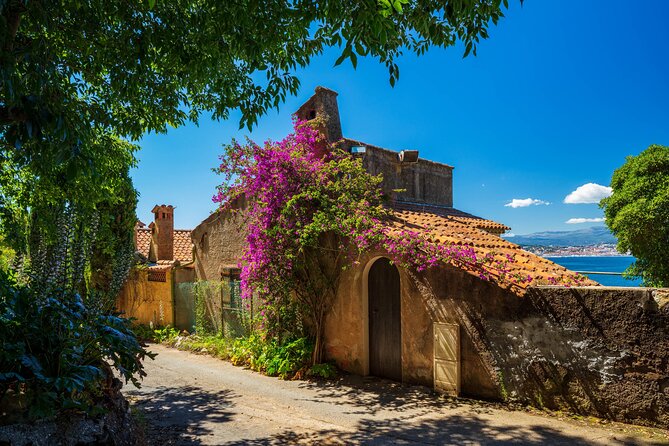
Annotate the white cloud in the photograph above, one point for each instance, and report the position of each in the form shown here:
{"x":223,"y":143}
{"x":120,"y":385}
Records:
{"x":509,"y":235}
{"x":525,"y":202}
{"x":575,"y":221}
{"x":588,"y":193}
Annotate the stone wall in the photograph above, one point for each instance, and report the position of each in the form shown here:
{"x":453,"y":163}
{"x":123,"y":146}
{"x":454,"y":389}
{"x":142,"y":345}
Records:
{"x":597,"y":350}
{"x":422,"y":181}
{"x":219,"y":242}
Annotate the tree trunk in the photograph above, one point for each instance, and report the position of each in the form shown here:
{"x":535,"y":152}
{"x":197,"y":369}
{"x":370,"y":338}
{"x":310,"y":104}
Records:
{"x":317,"y":356}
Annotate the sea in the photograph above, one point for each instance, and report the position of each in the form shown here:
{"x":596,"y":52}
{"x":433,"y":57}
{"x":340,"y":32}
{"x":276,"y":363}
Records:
{"x":613,"y":264}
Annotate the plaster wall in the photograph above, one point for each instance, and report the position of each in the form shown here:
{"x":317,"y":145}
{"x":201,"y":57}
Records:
{"x":147,"y":301}
{"x":592,"y":350}
{"x":423,"y":302}
{"x":219,"y":242}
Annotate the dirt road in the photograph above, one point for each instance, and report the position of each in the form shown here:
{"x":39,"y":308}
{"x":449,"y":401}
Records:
{"x":191,"y":399}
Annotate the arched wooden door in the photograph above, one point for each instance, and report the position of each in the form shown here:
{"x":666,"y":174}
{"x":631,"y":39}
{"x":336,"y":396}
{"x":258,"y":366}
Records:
{"x":385,"y":333}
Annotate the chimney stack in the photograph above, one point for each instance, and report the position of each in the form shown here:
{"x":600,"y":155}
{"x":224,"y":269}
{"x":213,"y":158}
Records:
{"x":163,"y":231}
{"x":323,"y":104}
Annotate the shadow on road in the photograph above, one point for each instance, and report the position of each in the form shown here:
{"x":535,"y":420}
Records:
{"x":179,"y":415}
{"x":454,"y":430}
{"x":370,"y":395}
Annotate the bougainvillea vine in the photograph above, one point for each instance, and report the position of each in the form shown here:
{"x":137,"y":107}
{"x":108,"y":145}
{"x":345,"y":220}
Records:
{"x":309,"y":213}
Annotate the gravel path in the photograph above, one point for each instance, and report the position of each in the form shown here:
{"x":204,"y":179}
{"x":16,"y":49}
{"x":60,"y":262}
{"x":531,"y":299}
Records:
{"x":190,"y":399}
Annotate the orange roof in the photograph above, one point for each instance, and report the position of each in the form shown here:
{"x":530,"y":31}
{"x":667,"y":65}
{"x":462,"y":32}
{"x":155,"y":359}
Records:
{"x":466,"y":231}
{"x":143,"y":241}
{"x":453,"y":214}
{"x":183,"y":245}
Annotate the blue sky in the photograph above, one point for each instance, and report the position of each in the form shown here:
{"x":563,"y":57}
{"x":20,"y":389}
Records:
{"x":557,"y":98}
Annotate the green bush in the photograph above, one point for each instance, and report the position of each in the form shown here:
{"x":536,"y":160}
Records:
{"x":217,"y":346}
{"x":57,"y":350}
{"x":144,"y":332}
{"x":326,"y":370}
{"x":270,"y":357}
{"x":166,"y":335}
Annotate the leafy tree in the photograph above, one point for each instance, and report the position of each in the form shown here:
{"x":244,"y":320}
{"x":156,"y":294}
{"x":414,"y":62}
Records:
{"x":79,"y":79}
{"x":638,"y":213}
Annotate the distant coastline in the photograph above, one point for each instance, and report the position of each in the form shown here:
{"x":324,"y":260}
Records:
{"x":587,"y":255}
{"x":598,"y":250}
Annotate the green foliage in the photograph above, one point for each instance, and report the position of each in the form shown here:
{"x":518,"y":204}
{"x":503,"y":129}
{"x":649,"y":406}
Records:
{"x":59,"y":338}
{"x":207,"y":293}
{"x":638,"y":213}
{"x":49,"y":362}
{"x":7,"y":256}
{"x":217,"y":346}
{"x":503,"y":392}
{"x":144,"y":332}
{"x":272,"y":357}
{"x":326,"y":370}
{"x":147,"y":65}
{"x":166,"y":335}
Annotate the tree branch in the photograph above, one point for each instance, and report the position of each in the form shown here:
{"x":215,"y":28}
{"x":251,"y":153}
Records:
{"x":13,"y":13}
{"x":12,"y":115}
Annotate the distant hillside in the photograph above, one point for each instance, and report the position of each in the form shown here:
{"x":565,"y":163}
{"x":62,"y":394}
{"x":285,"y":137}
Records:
{"x":580,"y":237}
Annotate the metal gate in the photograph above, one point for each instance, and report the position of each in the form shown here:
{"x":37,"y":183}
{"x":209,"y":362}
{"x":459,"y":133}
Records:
{"x":184,"y":306}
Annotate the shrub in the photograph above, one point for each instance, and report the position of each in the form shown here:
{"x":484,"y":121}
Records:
{"x":57,"y":350}
{"x":273,"y":358}
{"x":166,"y":335}
{"x":325,"y":370}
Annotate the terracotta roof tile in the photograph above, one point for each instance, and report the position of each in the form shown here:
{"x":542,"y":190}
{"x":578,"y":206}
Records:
{"x":454,"y":214}
{"x":143,"y":241}
{"x":183,"y":245}
{"x":467,"y":231}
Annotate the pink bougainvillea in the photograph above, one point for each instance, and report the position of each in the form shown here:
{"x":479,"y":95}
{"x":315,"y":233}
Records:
{"x":301,"y":202}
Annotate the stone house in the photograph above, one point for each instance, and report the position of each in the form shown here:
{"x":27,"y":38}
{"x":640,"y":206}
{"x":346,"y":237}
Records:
{"x":158,"y":292}
{"x":590,"y":349}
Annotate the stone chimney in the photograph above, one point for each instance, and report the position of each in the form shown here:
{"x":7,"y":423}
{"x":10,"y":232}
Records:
{"x":162,"y":234}
{"x":323,"y":104}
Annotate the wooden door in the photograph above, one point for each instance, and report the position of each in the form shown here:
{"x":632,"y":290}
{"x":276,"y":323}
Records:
{"x":385,"y":334}
{"x":447,"y":358}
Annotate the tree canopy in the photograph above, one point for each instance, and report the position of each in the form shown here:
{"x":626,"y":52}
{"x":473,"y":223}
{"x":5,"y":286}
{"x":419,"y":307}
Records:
{"x":79,"y":79}
{"x":638,"y":213}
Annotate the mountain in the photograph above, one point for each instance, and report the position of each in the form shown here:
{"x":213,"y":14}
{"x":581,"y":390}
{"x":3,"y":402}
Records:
{"x":581,"y":237}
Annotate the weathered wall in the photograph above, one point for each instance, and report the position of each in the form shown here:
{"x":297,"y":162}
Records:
{"x":184,"y":274}
{"x":219,"y":242}
{"x":424,"y":300}
{"x":323,"y":104}
{"x":600,"y":351}
{"x":596,"y":350}
{"x":421,"y":182}
{"x":147,"y":301}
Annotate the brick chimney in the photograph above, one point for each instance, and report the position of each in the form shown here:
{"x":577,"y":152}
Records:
{"x":162,"y":234}
{"x":323,"y":104}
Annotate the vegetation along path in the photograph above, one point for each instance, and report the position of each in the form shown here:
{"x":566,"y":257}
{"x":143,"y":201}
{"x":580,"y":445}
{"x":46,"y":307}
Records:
{"x":192,"y":399}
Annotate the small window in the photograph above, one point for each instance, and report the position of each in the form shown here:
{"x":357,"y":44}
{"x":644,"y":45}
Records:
{"x":312,"y":115}
{"x":157,"y":276}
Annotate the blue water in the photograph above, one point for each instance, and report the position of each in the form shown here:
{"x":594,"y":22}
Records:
{"x":607,"y":264}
